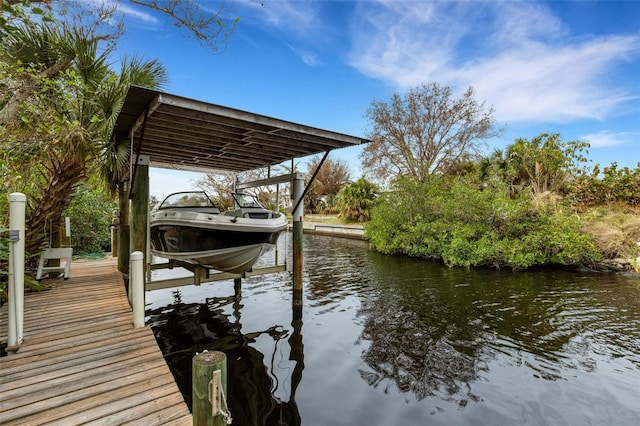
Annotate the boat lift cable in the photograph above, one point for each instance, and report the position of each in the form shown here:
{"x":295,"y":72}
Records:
{"x":306,"y":188}
{"x":138,"y":148}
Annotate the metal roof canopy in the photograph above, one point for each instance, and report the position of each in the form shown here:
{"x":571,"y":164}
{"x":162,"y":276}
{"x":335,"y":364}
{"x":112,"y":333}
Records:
{"x":186,"y":134}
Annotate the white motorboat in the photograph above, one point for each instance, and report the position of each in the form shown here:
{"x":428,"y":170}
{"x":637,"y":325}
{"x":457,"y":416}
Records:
{"x":189,"y":227}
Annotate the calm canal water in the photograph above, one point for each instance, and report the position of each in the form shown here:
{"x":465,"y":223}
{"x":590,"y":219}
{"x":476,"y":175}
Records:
{"x":386,"y":340}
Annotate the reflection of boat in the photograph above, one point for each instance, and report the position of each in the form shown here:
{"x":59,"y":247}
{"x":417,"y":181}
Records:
{"x":185,"y":329}
{"x":187,"y":226}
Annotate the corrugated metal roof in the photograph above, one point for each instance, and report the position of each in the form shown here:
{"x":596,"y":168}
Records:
{"x":186,"y":134}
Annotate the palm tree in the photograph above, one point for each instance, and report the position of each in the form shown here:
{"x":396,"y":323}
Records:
{"x":76,"y":92}
{"x":114,"y":155}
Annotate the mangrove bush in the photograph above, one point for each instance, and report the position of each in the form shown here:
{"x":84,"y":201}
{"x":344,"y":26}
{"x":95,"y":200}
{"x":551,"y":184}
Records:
{"x":453,"y":219}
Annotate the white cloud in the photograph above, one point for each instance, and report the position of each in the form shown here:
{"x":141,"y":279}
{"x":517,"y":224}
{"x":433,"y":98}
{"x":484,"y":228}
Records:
{"x":515,"y":22}
{"x":606,"y":138}
{"x":308,"y":57}
{"x":293,"y":16}
{"x":517,"y":56}
{"x":557,"y":84}
{"x":391,"y":42}
{"x":299,"y":23}
{"x":135,"y":12}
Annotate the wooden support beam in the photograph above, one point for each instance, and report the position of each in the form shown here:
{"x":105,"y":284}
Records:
{"x":140,"y":208}
{"x":298,"y":190}
{"x":210,"y":276}
{"x":123,"y":228}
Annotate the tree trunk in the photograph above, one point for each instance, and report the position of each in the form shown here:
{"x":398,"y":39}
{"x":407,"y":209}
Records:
{"x":46,"y":212}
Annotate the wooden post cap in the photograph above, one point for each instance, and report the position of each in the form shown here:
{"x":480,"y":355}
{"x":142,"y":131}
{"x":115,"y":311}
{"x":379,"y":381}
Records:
{"x":209,"y":357}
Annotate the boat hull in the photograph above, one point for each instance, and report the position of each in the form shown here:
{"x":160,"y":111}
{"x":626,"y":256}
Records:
{"x":220,"y":242}
{"x":233,"y":259}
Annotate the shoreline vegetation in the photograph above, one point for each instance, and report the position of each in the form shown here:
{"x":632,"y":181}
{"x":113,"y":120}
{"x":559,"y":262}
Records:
{"x":606,"y":237}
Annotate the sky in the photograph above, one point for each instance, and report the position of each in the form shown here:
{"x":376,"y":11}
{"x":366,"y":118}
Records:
{"x":564,"y":67}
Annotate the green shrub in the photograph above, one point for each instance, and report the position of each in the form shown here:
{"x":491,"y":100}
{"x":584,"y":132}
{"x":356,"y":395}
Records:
{"x":90,"y":212}
{"x":29,"y":282}
{"x":450,"y":219}
{"x":607,"y":187}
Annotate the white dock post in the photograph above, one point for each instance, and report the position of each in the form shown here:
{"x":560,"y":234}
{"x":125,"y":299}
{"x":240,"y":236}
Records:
{"x":136,"y":279}
{"x":17,"y":206}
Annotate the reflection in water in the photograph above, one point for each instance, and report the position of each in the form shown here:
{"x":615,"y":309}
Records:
{"x":416,"y":357}
{"x":433,"y":331}
{"x":182,"y":330}
{"x":391,"y":340}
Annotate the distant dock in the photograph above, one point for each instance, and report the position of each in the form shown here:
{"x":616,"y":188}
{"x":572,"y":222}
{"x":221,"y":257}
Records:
{"x":311,"y":226}
{"x":83,"y":362}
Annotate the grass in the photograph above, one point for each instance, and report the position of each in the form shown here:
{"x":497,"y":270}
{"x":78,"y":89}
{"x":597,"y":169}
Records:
{"x":327,"y":219}
{"x":616,"y":231}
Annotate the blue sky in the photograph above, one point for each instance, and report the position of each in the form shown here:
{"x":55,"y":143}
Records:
{"x":559,"y":67}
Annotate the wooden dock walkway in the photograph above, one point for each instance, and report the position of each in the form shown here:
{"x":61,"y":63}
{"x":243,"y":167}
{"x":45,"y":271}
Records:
{"x":82,"y":362}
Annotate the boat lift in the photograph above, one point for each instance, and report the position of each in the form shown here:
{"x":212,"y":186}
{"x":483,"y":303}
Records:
{"x":169,"y":131}
{"x":202,"y":274}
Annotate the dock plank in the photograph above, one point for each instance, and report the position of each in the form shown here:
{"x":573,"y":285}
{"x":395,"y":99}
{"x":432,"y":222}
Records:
{"x":73,"y":355}
{"x":114,"y":405}
{"x":83,"y":362}
{"x":73,"y":379}
{"x":56,"y":332}
{"x":165,"y":411}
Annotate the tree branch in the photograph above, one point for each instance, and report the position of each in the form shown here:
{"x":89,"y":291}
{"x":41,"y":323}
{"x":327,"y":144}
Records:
{"x":207,"y":27}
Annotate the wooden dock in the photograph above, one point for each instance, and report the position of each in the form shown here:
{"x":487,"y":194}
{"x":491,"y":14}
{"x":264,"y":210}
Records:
{"x":82,"y":362}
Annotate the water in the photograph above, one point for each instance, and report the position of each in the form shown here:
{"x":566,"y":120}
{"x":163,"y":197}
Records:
{"x":383,"y":340}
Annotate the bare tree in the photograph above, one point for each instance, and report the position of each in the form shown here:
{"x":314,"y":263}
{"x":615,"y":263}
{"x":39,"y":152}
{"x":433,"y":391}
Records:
{"x":426,"y":131}
{"x":206,"y":22}
{"x":218,"y":186}
{"x":332,"y":176}
{"x":209,"y":23}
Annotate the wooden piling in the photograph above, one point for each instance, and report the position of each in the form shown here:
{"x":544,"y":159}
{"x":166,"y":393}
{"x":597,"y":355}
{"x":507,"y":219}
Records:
{"x":204,"y":365}
{"x":123,"y":228}
{"x":140,"y":206}
{"x":298,"y":189}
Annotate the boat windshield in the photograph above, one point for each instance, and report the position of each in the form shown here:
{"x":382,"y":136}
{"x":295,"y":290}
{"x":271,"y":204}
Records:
{"x":246,"y":201}
{"x":186,"y":199}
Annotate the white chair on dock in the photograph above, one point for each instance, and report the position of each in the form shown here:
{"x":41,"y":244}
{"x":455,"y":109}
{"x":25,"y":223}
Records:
{"x":63,"y":254}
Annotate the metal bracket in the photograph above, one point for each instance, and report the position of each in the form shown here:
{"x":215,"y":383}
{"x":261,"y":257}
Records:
{"x":215,"y":392}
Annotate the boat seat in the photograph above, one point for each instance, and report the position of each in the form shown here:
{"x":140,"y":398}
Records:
{"x":63,"y":254}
